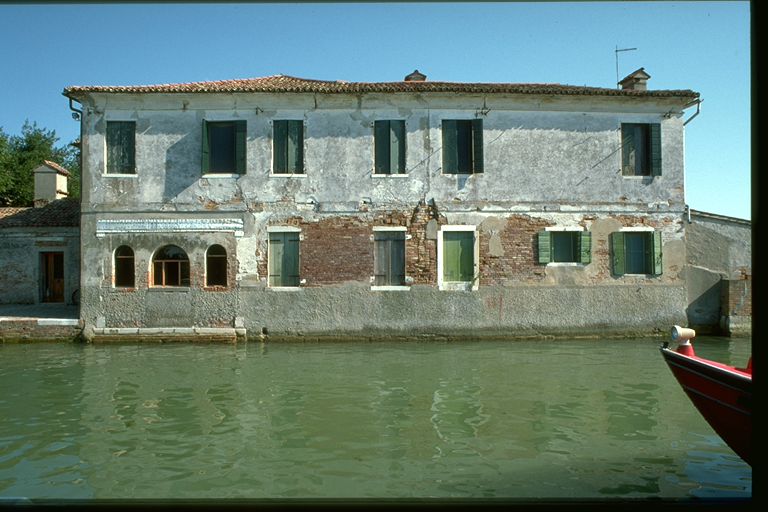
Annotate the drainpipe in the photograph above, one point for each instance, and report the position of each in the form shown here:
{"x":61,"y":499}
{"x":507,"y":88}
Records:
{"x":698,"y":110}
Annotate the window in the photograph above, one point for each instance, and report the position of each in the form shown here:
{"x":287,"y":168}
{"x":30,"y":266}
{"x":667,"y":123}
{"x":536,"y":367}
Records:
{"x":121,"y":147}
{"x":224,"y":147}
{"x":288,"y":147}
{"x":457,"y":258}
{"x":283,"y":258}
{"x":389,"y":147}
{"x":170,"y":267}
{"x":216,"y":266}
{"x":462,"y":146}
{"x":636,"y":252}
{"x":641,"y":149}
{"x":124,"y":269}
{"x":564,"y":246}
{"x":389,"y":258}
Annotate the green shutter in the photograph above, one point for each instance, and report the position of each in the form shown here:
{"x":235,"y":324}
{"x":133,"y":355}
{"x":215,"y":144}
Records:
{"x":295,"y":147}
{"x":380,"y":260}
{"x":585,"y":247}
{"x":655,"y":149}
{"x":397,"y":147}
{"x":458,"y":256}
{"x":240,"y":145}
{"x":657,"y":245}
{"x":276,"y":249}
{"x":477,"y":145}
{"x":381,"y":147}
{"x":451,"y":257}
{"x":291,"y":260}
{"x":397,"y":259}
{"x":450,"y":148}
{"x":617,"y":249}
{"x":206,"y":151}
{"x":545,"y":247}
{"x":279,"y":147}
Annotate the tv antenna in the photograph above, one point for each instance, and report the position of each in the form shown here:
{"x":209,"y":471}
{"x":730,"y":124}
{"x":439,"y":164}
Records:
{"x":617,"y":61}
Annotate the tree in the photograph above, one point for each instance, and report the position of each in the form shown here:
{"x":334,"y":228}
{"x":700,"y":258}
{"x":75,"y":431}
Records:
{"x":22,"y":154}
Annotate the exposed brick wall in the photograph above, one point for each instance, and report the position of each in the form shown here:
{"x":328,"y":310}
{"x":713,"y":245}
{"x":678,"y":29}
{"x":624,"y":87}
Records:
{"x":736,"y":298}
{"x":519,"y":261}
{"x":335,"y":250}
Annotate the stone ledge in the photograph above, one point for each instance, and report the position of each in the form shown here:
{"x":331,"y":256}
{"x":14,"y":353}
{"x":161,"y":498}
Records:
{"x":167,"y":334}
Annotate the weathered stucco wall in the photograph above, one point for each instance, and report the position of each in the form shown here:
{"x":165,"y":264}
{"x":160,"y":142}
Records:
{"x":20,"y":279}
{"x":547,"y":162}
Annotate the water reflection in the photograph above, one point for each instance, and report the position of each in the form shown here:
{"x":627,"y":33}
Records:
{"x":579,"y":419}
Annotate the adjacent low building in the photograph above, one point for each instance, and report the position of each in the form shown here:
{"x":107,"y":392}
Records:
{"x":307,"y":209}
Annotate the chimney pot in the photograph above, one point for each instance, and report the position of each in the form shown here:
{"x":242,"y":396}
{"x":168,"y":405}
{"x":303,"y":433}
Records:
{"x":416,"y":77}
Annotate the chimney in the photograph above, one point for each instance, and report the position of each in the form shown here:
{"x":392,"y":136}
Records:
{"x":635,"y":81}
{"x":50,"y":183}
{"x":415,"y":77}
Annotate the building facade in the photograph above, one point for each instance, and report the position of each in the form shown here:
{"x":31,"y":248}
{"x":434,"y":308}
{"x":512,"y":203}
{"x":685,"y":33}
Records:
{"x":300,"y":209}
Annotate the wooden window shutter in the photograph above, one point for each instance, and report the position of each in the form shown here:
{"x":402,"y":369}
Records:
{"x":291,"y":259}
{"x":585,"y":247}
{"x":545,"y":247}
{"x":450,"y":147}
{"x":206,"y":151}
{"x":627,"y":149}
{"x":617,"y":252}
{"x":657,"y":253}
{"x":655,"y":149}
{"x":295,"y":147}
{"x":397,"y":259}
{"x":397,"y":147}
{"x":276,"y":249}
{"x":381,"y":147}
{"x":380,"y":260}
{"x":279,"y":147}
{"x":240,"y":146}
{"x":477,"y":145}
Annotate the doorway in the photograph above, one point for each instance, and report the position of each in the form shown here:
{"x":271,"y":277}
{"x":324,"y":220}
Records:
{"x":52,"y":276}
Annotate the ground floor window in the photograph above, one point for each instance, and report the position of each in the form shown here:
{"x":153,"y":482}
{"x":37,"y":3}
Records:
{"x":216,"y":266}
{"x":283,"y":258}
{"x":457,"y":257}
{"x":564,"y":246}
{"x":389,"y":258}
{"x":124,"y":268}
{"x":636,"y":252}
{"x":170,"y":267}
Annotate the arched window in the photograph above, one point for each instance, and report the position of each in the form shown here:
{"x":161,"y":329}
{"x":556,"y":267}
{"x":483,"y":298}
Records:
{"x":170,"y":267}
{"x":216,"y":266}
{"x":124,"y":269}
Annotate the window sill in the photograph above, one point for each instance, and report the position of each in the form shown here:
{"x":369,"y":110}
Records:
{"x":119,"y":175}
{"x":284,"y":288}
{"x":215,"y":175}
{"x":297,"y":175}
{"x":394,"y":288}
{"x":461,"y":174}
{"x":566,"y":264}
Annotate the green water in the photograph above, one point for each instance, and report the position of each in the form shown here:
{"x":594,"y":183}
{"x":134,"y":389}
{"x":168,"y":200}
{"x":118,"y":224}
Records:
{"x":538,"y":419}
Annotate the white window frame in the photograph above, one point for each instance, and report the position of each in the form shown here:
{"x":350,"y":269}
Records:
{"x":458,"y":286}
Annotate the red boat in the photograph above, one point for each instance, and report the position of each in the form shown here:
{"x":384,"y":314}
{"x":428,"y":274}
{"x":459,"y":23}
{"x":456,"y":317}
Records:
{"x":721,"y":393}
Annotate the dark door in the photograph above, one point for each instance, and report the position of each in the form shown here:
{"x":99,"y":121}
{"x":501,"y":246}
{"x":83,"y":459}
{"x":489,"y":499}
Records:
{"x":52,"y":274}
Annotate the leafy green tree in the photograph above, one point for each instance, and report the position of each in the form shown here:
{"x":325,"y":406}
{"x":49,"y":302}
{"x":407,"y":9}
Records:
{"x":22,"y":154}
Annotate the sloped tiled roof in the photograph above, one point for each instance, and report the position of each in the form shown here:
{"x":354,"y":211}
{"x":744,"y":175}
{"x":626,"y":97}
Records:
{"x":59,"y":213}
{"x":289,"y":84}
{"x":56,"y":167}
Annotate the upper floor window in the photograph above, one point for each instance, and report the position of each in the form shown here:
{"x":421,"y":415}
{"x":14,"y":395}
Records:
{"x":170,"y":267}
{"x":636,"y":252}
{"x":389,"y":257}
{"x":216,"y":266}
{"x":462,"y":146}
{"x":641,"y":149}
{"x":389,"y":147}
{"x":283,"y":258}
{"x":121,"y":147}
{"x":288,"y":147}
{"x":124,"y":268}
{"x":224,"y":147}
{"x":561,"y":246}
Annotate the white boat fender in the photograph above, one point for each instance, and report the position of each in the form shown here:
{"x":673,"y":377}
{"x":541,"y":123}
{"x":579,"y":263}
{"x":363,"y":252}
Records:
{"x":683,"y":336}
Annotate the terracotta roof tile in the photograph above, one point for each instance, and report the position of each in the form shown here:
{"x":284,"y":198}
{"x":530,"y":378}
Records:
{"x":59,"y":213}
{"x":56,"y":167}
{"x":289,"y":84}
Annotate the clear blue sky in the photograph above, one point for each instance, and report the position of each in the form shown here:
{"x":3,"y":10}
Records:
{"x":703,"y":46}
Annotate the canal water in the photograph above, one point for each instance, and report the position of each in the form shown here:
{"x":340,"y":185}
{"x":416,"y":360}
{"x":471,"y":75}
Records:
{"x":559,"y":419}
